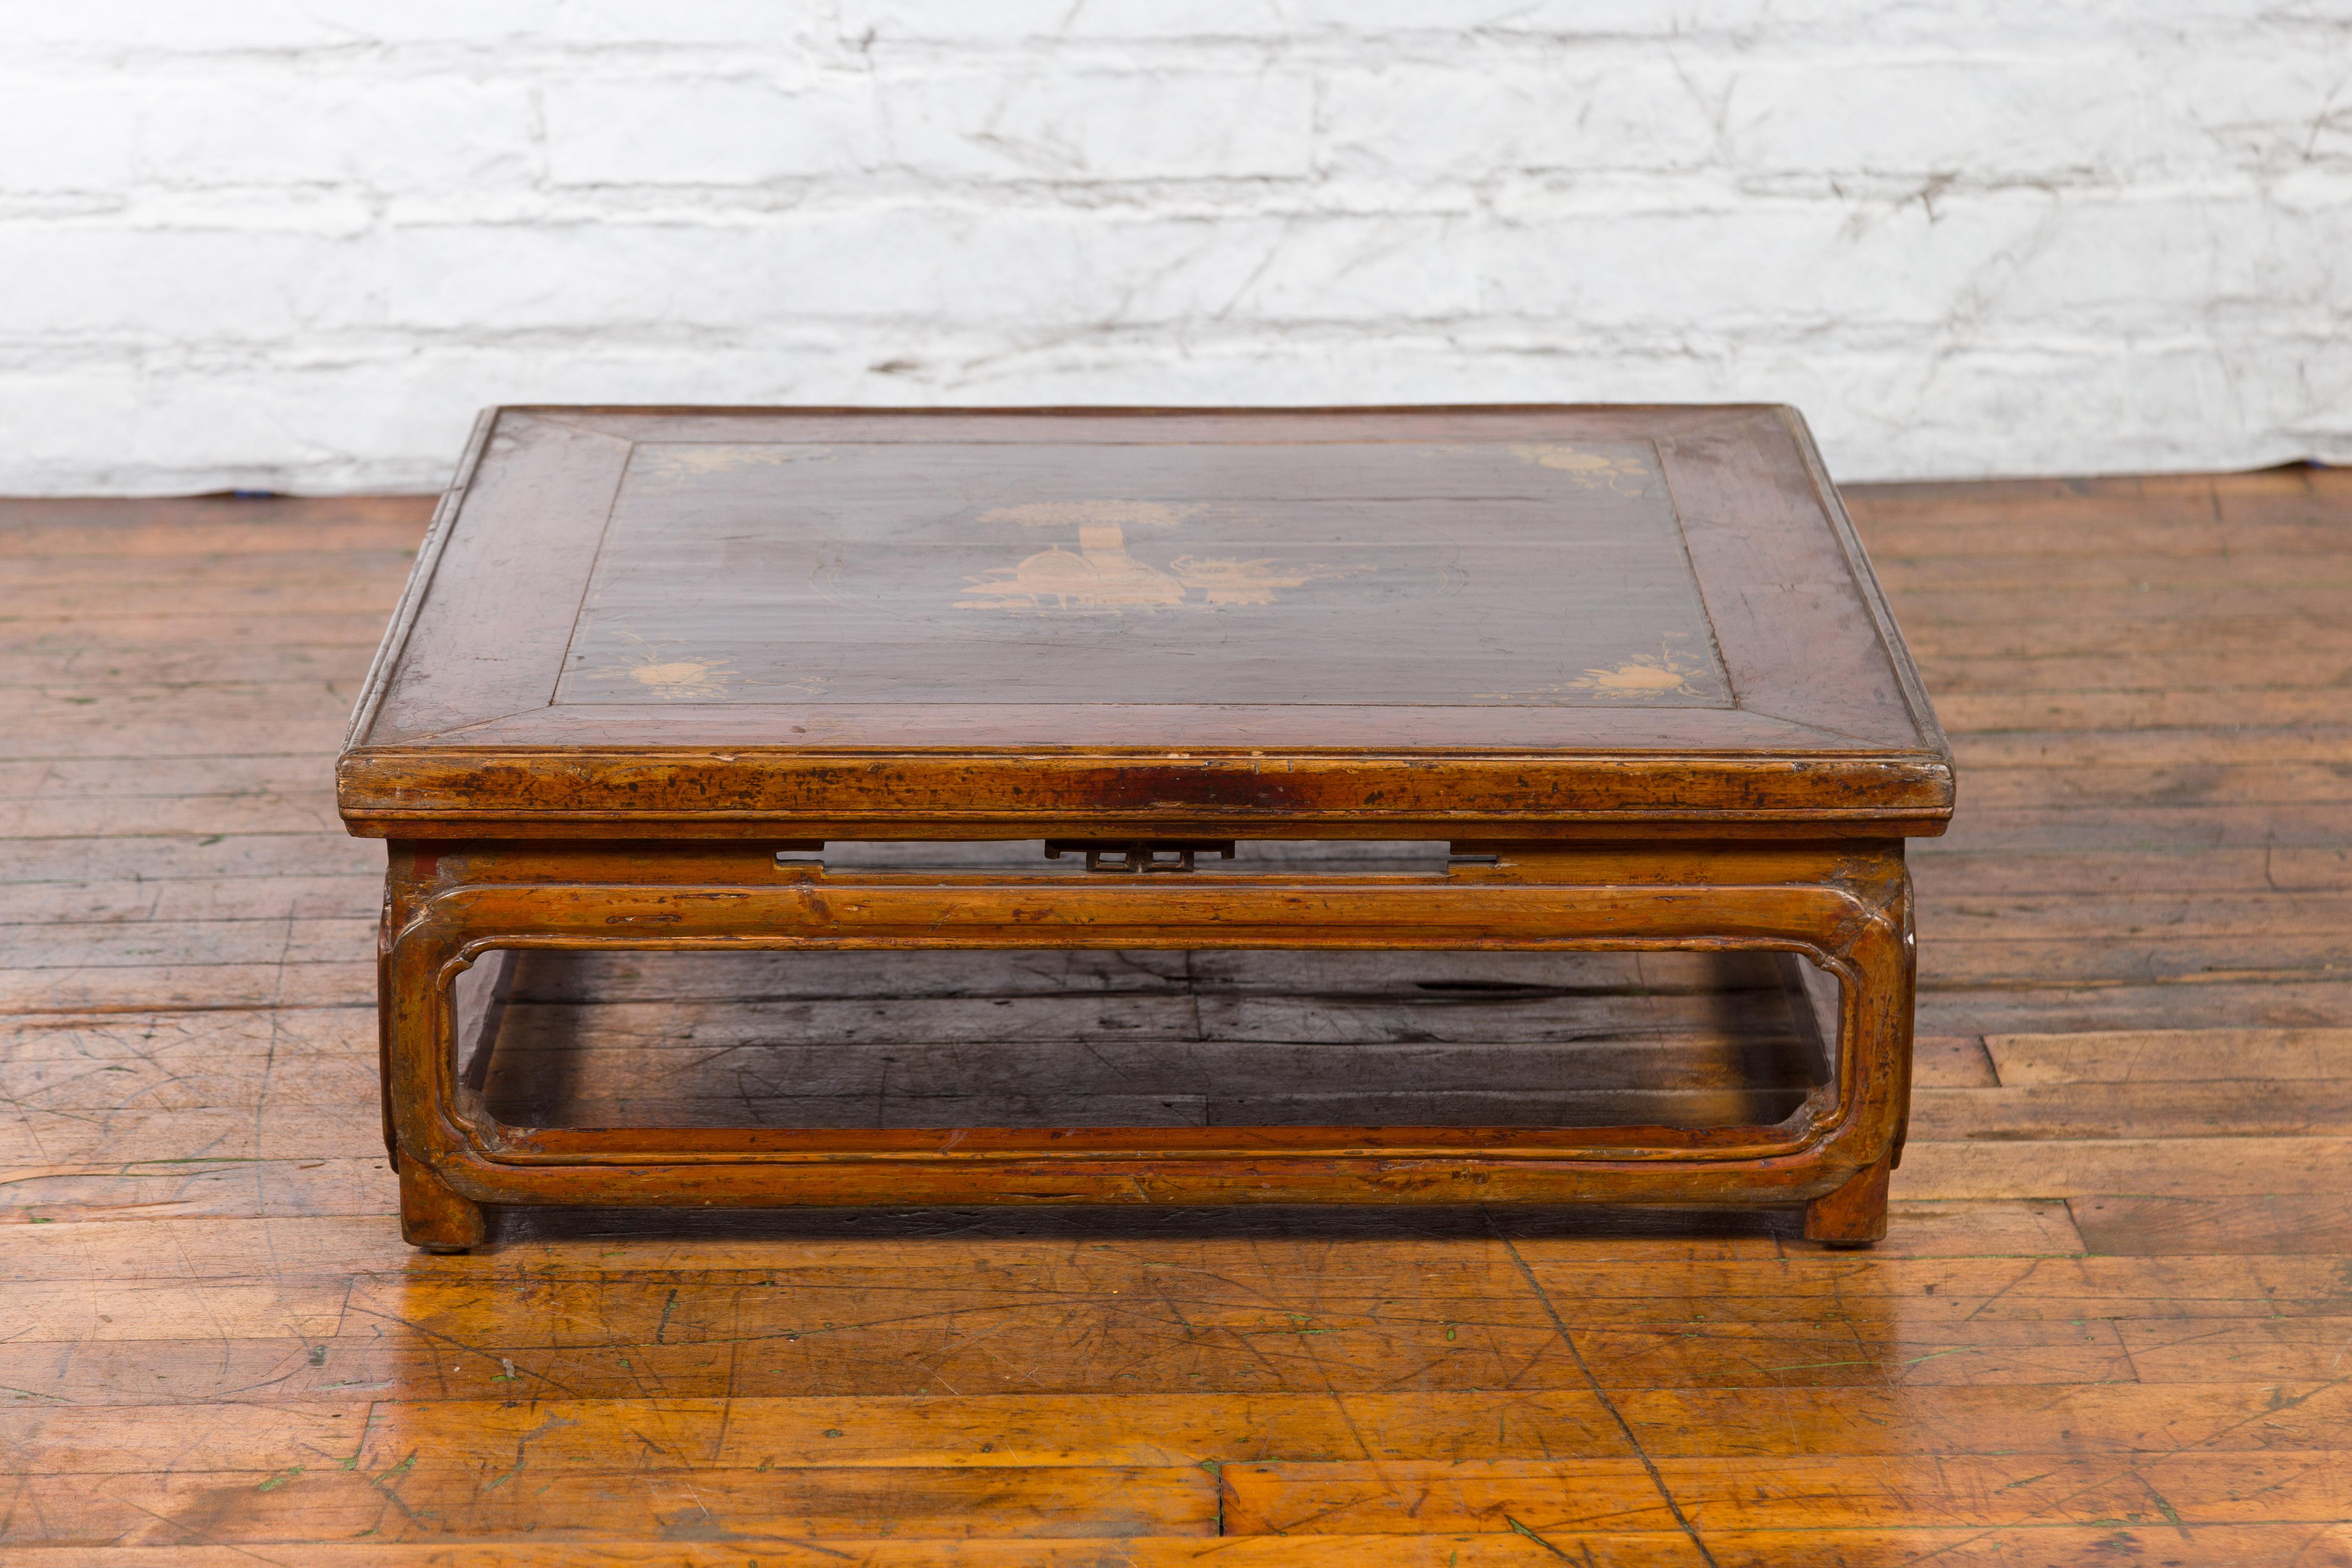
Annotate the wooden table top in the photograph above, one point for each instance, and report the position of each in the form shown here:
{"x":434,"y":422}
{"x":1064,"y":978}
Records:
{"x":1447,"y":621}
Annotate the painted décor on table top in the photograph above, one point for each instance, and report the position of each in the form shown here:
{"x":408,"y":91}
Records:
{"x":1333,"y":573}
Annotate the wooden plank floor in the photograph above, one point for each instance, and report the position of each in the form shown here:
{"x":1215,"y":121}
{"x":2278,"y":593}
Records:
{"x":2113,"y":1320}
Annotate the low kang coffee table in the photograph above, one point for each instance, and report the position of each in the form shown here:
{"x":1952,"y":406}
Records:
{"x":1630,"y":662}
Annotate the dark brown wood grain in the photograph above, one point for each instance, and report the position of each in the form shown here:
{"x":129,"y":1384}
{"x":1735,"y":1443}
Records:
{"x":947,"y":624}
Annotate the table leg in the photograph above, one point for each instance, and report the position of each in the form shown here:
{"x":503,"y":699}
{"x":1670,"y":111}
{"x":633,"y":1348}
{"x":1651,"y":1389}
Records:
{"x":1854,"y":1214}
{"x":433,"y":1216}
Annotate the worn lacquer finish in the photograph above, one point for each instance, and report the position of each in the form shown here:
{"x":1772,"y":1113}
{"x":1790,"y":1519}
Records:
{"x":1632,"y":659}
{"x":1403,"y":623}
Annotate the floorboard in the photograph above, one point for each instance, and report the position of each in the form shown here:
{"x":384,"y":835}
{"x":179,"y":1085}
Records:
{"x":2112,"y":1320}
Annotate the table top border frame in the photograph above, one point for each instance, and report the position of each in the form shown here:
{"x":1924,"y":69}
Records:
{"x":370,"y":776}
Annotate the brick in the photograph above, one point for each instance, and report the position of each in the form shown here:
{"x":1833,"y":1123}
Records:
{"x":590,"y":279}
{"x":1736,"y":270}
{"x":111,"y":25}
{"x":1832,"y":23}
{"x":1037,"y":271}
{"x":728,"y":24}
{"x":65,"y":133}
{"x":50,"y":404}
{"x":2019,"y":256}
{"x":199,"y":284}
{"x":2154,"y":265}
{"x":1002,"y":22}
{"x":1395,"y":268}
{"x":249,"y":126}
{"x":1459,"y":121}
{"x":2280,"y":108}
{"x":1089,"y":125}
{"x":2029,"y":118}
{"x":689,"y":131}
{"x":237,"y":26}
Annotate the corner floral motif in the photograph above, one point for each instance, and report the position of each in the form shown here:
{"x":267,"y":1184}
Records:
{"x":1667,"y":673}
{"x":1642,"y":677}
{"x":656,"y":672}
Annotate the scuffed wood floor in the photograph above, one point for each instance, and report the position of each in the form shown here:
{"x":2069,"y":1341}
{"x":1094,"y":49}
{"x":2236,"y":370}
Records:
{"x":2113,"y":1320}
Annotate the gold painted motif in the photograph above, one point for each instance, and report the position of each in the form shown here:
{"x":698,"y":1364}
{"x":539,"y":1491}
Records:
{"x":1667,"y":673}
{"x":1594,"y":470}
{"x":1098,"y":513}
{"x":669,"y":679}
{"x":1101,"y":577}
{"x":655,"y":673}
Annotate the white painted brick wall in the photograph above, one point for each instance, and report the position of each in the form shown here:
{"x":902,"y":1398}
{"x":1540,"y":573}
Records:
{"x":293,"y":244}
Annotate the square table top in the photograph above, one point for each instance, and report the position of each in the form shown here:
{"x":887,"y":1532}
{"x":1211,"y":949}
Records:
{"x":1437,"y":622}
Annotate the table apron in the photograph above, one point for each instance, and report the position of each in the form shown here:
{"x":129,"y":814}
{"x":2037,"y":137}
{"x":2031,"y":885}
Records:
{"x":1147,"y":911}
